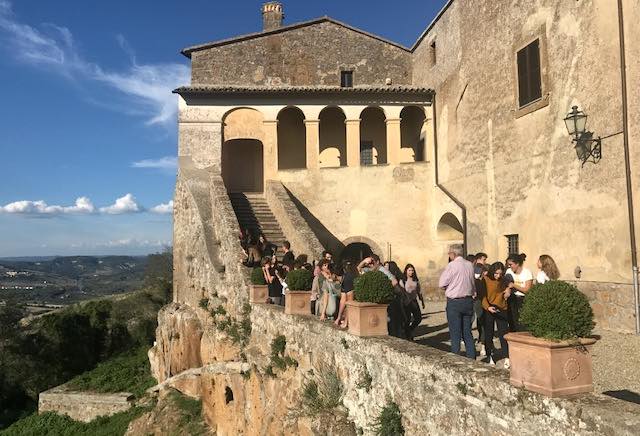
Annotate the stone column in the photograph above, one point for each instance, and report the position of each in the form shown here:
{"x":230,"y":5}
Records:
{"x":270,"y":149}
{"x":429,"y":134}
{"x":313,"y":143}
{"x":393,"y":141}
{"x":353,"y":142}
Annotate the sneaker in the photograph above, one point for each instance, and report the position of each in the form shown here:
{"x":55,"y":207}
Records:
{"x":507,"y":364}
{"x":483,"y":352}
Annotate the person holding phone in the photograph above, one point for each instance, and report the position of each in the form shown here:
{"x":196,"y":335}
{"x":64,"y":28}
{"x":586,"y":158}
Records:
{"x":495,"y":308}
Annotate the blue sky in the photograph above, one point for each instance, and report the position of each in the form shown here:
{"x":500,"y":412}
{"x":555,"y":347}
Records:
{"x":88,"y":121}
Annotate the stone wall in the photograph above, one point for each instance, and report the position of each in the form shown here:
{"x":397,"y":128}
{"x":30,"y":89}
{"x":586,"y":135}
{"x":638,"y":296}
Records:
{"x":83,"y":406}
{"x":292,"y":58}
{"x":516,"y":170}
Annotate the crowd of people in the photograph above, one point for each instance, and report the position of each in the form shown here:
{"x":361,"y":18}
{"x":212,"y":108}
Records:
{"x":492,"y":294}
{"x":333,"y":284}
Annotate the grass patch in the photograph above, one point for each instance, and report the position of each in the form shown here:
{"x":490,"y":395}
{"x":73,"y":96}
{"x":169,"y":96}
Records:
{"x":51,"y":424}
{"x":365,"y":380}
{"x":389,"y":422}
{"x":125,"y":373}
{"x":323,"y":393}
{"x":191,"y":414}
{"x":278,"y":359}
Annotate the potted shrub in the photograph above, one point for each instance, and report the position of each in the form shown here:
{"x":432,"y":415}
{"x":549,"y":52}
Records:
{"x":367,"y":315}
{"x":553,"y":357}
{"x":259,"y":292}
{"x":298,"y":297}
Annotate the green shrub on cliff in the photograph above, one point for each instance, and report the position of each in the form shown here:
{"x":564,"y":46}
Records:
{"x":257,"y":277}
{"x":373,"y":287}
{"x":557,"y":310}
{"x":300,"y":280}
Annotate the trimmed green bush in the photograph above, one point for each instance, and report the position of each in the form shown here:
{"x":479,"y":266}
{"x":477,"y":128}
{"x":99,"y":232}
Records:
{"x":300,"y":280}
{"x":557,"y":310}
{"x":373,"y":287}
{"x":257,"y":277}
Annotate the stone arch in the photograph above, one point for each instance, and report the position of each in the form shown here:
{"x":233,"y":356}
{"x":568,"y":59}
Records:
{"x":373,"y":136}
{"x":333,"y":137}
{"x":243,"y":123}
{"x":292,"y":138}
{"x":449,"y":228}
{"x":362,"y":240}
{"x":412,"y":136}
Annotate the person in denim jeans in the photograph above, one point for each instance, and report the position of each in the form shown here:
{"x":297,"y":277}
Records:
{"x":458,"y":281}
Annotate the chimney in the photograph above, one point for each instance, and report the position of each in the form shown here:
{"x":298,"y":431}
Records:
{"x":272,"y":15}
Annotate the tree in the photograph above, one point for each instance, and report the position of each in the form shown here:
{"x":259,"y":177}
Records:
{"x":158,"y":275}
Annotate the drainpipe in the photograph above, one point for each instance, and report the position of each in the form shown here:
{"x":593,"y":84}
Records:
{"x":627,"y":166}
{"x":439,"y":185}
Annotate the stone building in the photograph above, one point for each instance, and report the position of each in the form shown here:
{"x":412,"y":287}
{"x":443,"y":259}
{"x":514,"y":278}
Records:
{"x":352,"y":143}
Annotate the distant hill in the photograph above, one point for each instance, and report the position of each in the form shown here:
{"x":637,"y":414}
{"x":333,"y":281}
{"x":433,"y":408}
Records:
{"x":68,"y":279}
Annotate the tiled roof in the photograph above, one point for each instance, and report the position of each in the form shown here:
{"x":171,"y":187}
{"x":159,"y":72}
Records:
{"x":224,"y":89}
{"x":187,"y":51}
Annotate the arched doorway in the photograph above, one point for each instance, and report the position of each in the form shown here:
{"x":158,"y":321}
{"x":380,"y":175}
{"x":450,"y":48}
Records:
{"x":373,"y":137}
{"x":292,"y":152}
{"x":412,"y":138}
{"x":333,"y":138}
{"x":449,"y":228}
{"x":242,"y":166}
{"x":355,"y":252}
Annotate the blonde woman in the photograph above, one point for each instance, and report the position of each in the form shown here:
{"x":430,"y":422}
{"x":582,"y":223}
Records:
{"x":547,"y":269}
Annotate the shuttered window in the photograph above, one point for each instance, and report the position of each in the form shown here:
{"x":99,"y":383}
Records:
{"x":529,"y":79}
{"x":346,"y":79}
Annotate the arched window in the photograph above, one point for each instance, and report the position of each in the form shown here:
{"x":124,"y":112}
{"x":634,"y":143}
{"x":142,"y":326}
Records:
{"x":333,"y":138}
{"x":449,"y":228}
{"x":373,"y":137}
{"x":412,"y":137}
{"x":292,"y":142}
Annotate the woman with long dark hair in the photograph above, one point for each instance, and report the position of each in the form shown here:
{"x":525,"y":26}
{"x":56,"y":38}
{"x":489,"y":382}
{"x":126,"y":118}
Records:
{"x":273,"y":282}
{"x":396,"y":309}
{"x":494,"y":304}
{"x":520,"y":283}
{"x":411,"y":285}
{"x":349,"y":274}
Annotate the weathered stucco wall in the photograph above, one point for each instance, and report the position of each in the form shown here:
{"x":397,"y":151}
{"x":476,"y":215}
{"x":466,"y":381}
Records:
{"x":384,"y":204}
{"x":310,"y":55}
{"x":520,"y":174}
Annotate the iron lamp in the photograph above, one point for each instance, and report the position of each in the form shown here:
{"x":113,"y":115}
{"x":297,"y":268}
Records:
{"x":588,"y":148}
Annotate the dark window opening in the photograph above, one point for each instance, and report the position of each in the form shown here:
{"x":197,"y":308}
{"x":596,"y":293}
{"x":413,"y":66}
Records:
{"x":432,"y":53}
{"x":346,"y":79}
{"x":529,"y":79}
{"x":366,"y":153}
{"x":513,"y":245}
{"x":228,"y":395}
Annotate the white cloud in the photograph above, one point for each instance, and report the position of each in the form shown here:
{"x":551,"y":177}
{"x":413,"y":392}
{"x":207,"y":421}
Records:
{"x":27,"y":207}
{"x":126,"y":204}
{"x":164,"y":163}
{"x":147,"y":87}
{"x":163,"y":209}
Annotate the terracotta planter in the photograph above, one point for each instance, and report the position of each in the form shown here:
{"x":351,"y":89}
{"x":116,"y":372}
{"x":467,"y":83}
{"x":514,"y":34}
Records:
{"x":367,"y":319}
{"x":551,"y":368}
{"x":258,"y":294}
{"x":297,"y":303}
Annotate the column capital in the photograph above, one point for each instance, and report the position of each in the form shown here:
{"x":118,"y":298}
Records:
{"x":312,"y":121}
{"x":393,"y":120}
{"x":353,"y":121}
{"x":270,"y":122}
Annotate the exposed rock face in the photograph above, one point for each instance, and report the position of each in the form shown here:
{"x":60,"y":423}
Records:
{"x":177,"y":342}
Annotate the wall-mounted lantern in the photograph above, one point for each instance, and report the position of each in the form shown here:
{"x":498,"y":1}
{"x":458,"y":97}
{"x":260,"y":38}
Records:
{"x":588,"y":148}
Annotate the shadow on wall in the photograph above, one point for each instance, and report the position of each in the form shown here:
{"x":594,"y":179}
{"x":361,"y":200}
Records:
{"x":326,"y":238}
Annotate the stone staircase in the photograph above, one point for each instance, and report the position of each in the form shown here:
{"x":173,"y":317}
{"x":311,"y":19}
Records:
{"x":253,"y":213}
